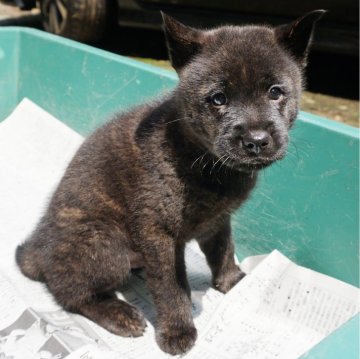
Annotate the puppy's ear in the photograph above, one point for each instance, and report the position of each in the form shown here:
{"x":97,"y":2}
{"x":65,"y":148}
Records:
{"x":183,"y":42}
{"x":296,"y":36}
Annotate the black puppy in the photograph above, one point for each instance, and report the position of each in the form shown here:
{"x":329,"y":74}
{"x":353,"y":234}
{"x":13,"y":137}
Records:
{"x":152,"y":179}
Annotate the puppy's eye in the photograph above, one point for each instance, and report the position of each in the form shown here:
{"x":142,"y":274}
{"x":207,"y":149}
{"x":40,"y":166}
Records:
{"x":218,"y":99}
{"x":275,"y":93}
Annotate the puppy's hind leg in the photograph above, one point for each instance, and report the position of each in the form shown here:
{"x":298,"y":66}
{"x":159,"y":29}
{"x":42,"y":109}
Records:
{"x":85,"y":267}
{"x":27,"y":258}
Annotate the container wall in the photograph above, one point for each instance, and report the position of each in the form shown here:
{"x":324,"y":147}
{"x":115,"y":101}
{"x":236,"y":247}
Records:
{"x":343,"y":343}
{"x":83,"y":86}
{"x":9,"y":58}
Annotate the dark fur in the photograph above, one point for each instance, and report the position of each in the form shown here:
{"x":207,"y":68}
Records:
{"x":149,"y":181}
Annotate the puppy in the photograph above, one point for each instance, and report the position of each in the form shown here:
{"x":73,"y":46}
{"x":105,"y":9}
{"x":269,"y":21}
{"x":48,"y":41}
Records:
{"x":152,"y":179}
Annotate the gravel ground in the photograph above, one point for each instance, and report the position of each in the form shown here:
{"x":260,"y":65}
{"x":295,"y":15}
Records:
{"x":335,"y":108}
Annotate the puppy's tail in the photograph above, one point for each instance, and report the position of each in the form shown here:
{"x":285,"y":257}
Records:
{"x":27,"y":260}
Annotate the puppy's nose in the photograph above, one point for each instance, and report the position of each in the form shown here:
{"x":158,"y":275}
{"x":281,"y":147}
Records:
{"x":256,"y":141}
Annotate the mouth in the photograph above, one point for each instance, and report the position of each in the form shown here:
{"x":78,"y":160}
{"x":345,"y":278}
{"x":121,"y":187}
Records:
{"x":250,"y":164}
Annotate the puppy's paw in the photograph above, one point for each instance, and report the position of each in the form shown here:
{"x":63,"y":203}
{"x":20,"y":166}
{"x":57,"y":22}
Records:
{"x":130,"y":326}
{"x":133,"y":325}
{"x":116,"y":316}
{"x":176,"y":340}
{"x":228,"y":279}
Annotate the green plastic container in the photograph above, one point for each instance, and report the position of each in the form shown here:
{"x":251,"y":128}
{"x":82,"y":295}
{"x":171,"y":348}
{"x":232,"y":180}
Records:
{"x":306,"y":205}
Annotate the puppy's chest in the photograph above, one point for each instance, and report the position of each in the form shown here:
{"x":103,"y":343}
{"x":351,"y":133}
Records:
{"x":203,"y":207}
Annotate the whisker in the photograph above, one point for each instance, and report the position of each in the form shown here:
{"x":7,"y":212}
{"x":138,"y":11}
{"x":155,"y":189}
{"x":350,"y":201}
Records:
{"x":201,"y":156}
{"x":224,"y":163}
{"x":206,"y":163}
{"x":219,"y":159}
{"x":232,"y":166}
{"x":178,"y":119}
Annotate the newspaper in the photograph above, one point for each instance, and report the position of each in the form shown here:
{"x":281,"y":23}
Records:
{"x":279,"y":310}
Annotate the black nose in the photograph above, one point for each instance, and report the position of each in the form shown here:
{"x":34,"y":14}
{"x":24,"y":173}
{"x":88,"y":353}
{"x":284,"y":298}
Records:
{"x":256,"y":141}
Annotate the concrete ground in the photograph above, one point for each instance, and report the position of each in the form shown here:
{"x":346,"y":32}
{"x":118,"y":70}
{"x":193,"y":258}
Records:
{"x":336,"y":108}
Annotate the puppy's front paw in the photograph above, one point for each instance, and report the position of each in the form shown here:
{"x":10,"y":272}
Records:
{"x":228,"y":279}
{"x":176,"y":340}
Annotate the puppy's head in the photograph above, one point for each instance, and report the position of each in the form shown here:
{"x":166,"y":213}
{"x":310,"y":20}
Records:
{"x":239,"y":87}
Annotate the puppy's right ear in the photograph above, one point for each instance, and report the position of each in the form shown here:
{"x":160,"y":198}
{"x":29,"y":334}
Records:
{"x":183,"y":42}
{"x":296,"y":36}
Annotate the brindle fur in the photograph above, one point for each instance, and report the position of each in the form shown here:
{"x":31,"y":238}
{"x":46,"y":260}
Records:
{"x":150,"y":180}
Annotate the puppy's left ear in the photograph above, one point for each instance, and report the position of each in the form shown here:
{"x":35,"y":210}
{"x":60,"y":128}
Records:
{"x":183,"y":42}
{"x":296,"y":36}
